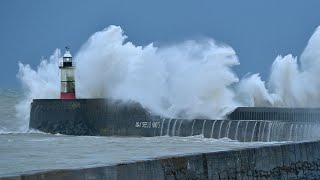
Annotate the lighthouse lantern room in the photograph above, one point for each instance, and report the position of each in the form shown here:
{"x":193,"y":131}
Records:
{"x":67,"y":77}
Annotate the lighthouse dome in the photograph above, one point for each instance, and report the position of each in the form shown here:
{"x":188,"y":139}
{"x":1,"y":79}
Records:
{"x":67,"y":54}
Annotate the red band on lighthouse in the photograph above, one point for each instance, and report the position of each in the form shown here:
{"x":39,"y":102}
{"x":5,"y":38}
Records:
{"x":67,"y":95}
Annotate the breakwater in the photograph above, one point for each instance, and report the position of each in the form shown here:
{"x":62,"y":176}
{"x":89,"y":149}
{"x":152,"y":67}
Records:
{"x":300,"y":160}
{"x":101,"y":117}
{"x":241,"y":130}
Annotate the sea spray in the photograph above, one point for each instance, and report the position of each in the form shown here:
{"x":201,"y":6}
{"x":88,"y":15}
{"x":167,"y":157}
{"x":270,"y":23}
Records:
{"x":294,"y":85}
{"x":251,"y":91}
{"x":43,"y":82}
{"x":191,"y":79}
{"x":186,"y":80}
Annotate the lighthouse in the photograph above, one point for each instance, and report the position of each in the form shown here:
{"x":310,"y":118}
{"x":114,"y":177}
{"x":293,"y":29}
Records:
{"x":67,"y":76}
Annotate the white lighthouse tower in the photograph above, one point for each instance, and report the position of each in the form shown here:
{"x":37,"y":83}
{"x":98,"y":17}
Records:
{"x":67,"y":77}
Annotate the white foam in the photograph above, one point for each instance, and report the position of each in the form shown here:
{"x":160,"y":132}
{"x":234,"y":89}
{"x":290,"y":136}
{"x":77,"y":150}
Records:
{"x":191,"y":79}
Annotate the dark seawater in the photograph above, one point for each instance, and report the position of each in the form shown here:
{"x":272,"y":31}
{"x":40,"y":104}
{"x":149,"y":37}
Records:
{"x":8,"y":100}
{"x":34,"y":151}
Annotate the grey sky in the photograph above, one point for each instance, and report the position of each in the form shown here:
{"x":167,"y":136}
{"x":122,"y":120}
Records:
{"x":257,"y":30}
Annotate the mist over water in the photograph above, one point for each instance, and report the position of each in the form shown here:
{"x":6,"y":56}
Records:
{"x":190,"y":79}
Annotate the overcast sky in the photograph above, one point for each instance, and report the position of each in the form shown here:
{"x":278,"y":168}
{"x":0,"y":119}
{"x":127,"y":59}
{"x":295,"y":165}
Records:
{"x":257,"y":30}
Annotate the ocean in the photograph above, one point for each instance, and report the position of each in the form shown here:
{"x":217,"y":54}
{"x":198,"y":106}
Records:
{"x":32,"y":150}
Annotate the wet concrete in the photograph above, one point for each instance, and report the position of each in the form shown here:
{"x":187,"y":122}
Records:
{"x":299,"y":115}
{"x":287,"y":161}
{"x":101,"y":117}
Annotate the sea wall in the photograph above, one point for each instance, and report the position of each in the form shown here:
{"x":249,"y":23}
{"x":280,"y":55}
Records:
{"x":302,"y":115}
{"x":287,"y":161}
{"x":241,"y":130}
{"x":89,"y":117}
{"x":101,"y":117}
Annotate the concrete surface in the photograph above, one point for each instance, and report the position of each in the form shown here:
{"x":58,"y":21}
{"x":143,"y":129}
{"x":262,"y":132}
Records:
{"x":287,"y":161}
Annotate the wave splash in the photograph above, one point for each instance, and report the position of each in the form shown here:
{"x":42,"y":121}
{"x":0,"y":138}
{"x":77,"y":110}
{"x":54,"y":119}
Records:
{"x":191,"y":79}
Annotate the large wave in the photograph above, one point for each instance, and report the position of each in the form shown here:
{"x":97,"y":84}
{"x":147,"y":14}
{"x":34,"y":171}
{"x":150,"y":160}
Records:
{"x":191,"y":79}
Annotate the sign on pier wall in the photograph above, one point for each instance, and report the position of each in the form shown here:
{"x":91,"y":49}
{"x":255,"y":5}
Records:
{"x":146,"y":124}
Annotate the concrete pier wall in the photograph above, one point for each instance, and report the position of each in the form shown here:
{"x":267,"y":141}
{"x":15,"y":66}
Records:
{"x":302,"y":115}
{"x":287,"y":161}
{"x":107,"y":118}
{"x":88,"y":117}
{"x":241,"y":130}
